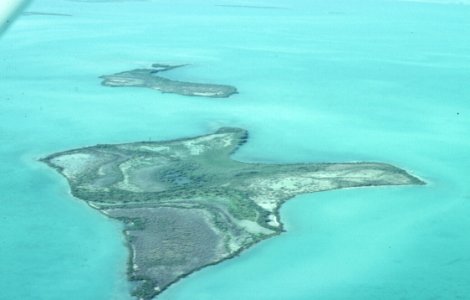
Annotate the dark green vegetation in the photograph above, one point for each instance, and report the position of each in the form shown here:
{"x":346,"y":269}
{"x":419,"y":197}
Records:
{"x":147,"y":78}
{"x":186,"y":204}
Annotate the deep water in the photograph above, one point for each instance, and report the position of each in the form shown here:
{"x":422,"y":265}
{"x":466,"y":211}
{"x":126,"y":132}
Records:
{"x":319,"y":81}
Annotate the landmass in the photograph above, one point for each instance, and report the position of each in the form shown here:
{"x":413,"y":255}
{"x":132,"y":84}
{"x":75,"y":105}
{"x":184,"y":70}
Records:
{"x":147,"y":78}
{"x":187,"y":205}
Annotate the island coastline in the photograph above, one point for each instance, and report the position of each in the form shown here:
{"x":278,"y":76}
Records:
{"x":149,"y":288}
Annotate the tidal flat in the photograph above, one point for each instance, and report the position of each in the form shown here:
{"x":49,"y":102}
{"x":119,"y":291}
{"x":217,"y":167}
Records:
{"x":187,"y":205}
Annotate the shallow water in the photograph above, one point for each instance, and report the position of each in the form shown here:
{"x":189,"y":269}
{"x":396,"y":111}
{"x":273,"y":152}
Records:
{"x":324,"y":81}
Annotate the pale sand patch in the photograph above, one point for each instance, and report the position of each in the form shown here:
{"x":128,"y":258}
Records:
{"x":199,"y":145}
{"x":154,"y":148}
{"x":253,"y":227}
{"x":74,"y":164}
{"x":206,"y":94}
{"x":125,"y":183}
{"x":273,"y":221}
{"x":266,"y":203}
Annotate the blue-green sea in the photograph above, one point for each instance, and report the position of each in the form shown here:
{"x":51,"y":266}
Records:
{"x":319,"y":81}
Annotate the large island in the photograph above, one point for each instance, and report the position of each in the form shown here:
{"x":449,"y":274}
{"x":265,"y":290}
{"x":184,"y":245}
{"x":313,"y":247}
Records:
{"x":186,"y":204}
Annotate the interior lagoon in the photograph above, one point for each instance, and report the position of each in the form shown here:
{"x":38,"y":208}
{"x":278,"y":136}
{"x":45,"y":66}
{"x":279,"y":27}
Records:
{"x":328,"y":81}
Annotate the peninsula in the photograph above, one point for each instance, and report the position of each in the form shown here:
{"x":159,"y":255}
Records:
{"x":147,"y":78}
{"x":187,"y":205}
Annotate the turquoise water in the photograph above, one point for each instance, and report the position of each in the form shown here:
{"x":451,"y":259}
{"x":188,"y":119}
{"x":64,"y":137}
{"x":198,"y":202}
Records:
{"x":319,"y":81}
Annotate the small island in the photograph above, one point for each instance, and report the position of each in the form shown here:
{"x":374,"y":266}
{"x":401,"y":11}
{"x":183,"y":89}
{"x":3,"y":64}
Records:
{"x":147,"y":78}
{"x":187,"y":205}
